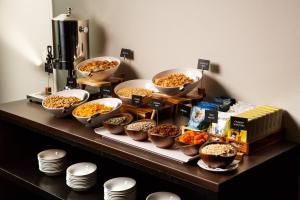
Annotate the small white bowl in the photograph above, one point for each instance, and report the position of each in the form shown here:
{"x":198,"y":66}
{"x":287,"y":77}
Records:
{"x":82,"y":169}
{"x":194,"y":74}
{"x":51,"y":154}
{"x":137,"y":83}
{"x":96,"y":120}
{"x":100,"y":75}
{"x":62,"y":112}
{"x":120,"y":184}
{"x":52,"y":162}
{"x":163,"y":196}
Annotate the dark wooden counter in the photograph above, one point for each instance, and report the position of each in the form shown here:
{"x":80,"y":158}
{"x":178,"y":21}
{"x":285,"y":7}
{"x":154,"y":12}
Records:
{"x":31,"y":116}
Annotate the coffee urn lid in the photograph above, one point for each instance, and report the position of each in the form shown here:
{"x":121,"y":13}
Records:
{"x":65,"y":17}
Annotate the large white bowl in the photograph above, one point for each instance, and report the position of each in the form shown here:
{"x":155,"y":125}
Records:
{"x":93,"y":121}
{"x":194,"y":74}
{"x":62,"y":112}
{"x":100,"y":75}
{"x":137,"y":83}
{"x":163,"y":196}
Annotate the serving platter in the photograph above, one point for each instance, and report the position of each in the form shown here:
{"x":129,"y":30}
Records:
{"x":234,"y":165}
{"x":172,"y":153}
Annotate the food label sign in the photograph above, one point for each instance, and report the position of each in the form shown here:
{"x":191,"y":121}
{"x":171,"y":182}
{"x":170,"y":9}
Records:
{"x":211,"y":116}
{"x":156,"y":104}
{"x":137,"y":100}
{"x":238,"y":123}
{"x":106,"y":91}
{"x":203,"y":64}
{"x":184,"y":110}
{"x":126,"y":53}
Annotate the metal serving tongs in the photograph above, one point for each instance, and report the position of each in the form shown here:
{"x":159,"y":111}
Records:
{"x":90,"y":119}
{"x":70,"y":105}
{"x":95,"y":71}
{"x":184,"y":86}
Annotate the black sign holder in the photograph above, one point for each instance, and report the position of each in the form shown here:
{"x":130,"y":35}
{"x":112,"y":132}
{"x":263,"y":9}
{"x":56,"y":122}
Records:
{"x":106,"y":91}
{"x":156,"y":104}
{"x":203,"y":65}
{"x":137,"y":101}
{"x":211,"y":116}
{"x":126,"y":54}
{"x":184,"y":110}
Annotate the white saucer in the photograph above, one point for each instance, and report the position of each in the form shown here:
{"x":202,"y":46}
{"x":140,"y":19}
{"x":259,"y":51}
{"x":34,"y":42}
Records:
{"x":81,"y":169}
{"x":120,"y":184}
{"x":53,"y":155}
{"x":162,"y":195}
{"x":234,"y":165}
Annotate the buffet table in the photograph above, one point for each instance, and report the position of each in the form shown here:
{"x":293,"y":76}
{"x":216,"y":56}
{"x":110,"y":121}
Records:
{"x":26,"y":129}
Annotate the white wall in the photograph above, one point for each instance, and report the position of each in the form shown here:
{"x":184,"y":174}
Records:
{"x":24,"y":36}
{"x":254,"y":43}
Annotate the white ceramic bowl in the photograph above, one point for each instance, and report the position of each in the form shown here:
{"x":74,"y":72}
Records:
{"x":120,"y":184}
{"x":194,"y":74}
{"x":81,"y":169}
{"x":137,"y":83}
{"x":100,"y":75}
{"x":163,"y":196}
{"x":51,"y":154}
{"x":52,"y":161}
{"x":96,"y":120}
{"x":62,"y":112}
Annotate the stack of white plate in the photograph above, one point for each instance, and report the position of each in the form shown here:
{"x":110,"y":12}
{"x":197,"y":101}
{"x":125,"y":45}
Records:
{"x":81,"y":176}
{"x":52,"y":161}
{"x":121,"y":188}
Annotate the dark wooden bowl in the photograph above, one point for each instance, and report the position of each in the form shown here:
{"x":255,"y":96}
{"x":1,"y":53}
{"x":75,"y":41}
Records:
{"x":138,"y":135}
{"x":162,"y":141}
{"x":118,"y":129}
{"x":187,"y":149}
{"x":217,"y":161}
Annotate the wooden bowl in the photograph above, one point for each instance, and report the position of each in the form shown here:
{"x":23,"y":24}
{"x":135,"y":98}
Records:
{"x":162,"y":141}
{"x":187,"y":149}
{"x":138,"y":135}
{"x":118,"y":129}
{"x":217,"y":161}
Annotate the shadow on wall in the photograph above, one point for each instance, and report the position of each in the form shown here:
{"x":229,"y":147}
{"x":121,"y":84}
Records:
{"x":213,"y":88}
{"x":292,"y":129}
{"x":215,"y":68}
{"x":98,"y":36}
{"x":127,"y":70}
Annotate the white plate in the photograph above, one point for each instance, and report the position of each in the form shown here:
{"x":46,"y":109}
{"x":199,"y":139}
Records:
{"x":52,"y":173}
{"x":82,"y":169}
{"x":119,"y":184}
{"x":163,"y":196}
{"x":234,"y":165}
{"x":51,"y":154}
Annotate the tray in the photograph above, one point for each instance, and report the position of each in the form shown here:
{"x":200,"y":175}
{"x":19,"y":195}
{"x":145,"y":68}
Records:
{"x":172,"y":153}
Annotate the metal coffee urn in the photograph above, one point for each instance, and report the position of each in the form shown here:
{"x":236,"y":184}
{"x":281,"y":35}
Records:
{"x":70,"y":46}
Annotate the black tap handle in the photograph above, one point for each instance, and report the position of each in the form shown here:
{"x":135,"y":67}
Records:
{"x":48,"y":65}
{"x":49,"y":49}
